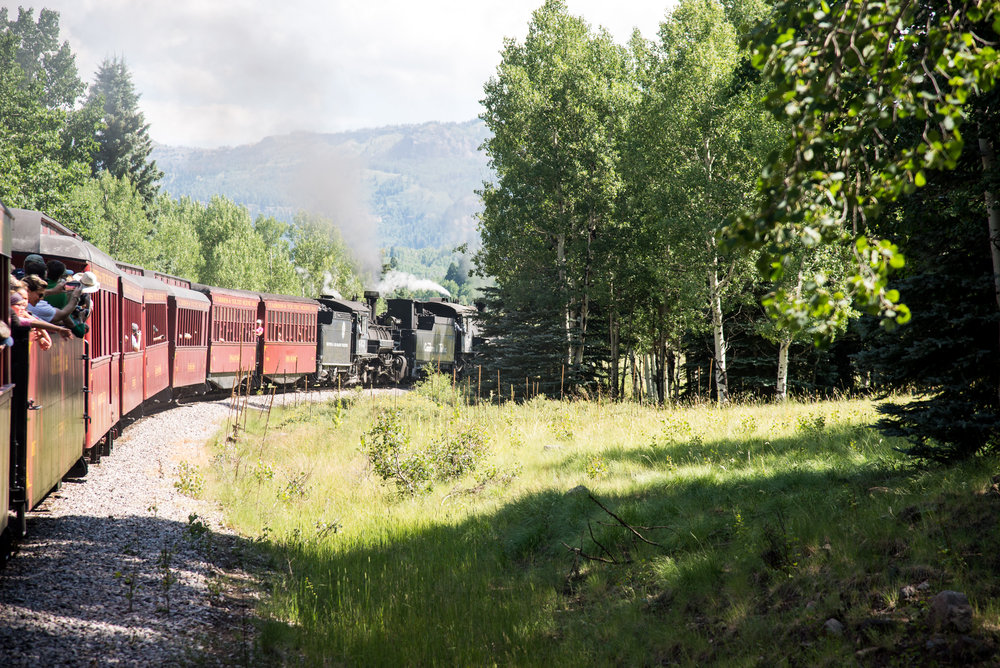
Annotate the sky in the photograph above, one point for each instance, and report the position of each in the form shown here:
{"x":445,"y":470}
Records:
{"x":229,"y":72}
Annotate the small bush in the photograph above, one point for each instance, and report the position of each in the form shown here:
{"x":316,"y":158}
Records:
{"x":456,"y":454}
{"x":387,"y":446}
{"x":438,"y":388}
{"x":190,"y":481}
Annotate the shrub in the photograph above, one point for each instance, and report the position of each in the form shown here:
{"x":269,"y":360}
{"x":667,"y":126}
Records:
{"x":386,"y":445}
{"x":459,"y":453}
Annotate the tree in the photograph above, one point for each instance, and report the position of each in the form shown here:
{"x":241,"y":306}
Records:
{"x":124,"y":145}
{"x":281,"y":276}
{"x":233,"y":251}
{"x":109,"y":212}
{"x":557,"y":109}
{"x":321,"y":258}
{"x":175,"y":246}
{"x":42,"y":58}
{"x":698,"y":130}
{"x":876,"y":96}
{"x":36,"y":171}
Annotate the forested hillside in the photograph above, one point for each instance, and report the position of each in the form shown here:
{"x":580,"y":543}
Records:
{"x":415,"y":184}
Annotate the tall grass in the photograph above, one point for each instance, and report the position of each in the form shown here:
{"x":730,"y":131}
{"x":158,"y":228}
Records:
{"x":727,"y":535}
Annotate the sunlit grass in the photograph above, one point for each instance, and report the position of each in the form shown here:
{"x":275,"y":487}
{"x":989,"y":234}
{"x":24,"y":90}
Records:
{"x":757,"y":524}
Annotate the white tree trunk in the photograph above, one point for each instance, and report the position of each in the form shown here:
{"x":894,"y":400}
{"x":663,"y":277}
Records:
{"x":781,"y":386}
{"x":567,"y":313}
{"x":721,"y":378}
{"x":993,"y":212}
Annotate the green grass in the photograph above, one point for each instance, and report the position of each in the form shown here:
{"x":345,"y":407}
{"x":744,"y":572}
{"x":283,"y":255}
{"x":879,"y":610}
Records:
{"x":767,"y":521}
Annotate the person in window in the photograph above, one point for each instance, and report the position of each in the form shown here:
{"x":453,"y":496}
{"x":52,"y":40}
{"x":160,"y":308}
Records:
{"x":136,"y":338}
{"x":20,"y":317}
{"x":56,"y":292}
{"x":36,"y":287}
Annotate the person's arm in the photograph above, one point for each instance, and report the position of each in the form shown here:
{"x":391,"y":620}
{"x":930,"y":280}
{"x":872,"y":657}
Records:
{"x":55,"y":289}
{"x":38,"y":323}
{"x":71,"y":303}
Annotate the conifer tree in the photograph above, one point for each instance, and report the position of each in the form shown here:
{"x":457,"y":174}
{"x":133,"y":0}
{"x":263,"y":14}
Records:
{"x":124,"y":145}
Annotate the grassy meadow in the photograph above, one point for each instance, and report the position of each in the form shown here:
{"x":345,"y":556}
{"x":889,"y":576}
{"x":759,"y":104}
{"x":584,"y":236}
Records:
{"x":587,"y":533}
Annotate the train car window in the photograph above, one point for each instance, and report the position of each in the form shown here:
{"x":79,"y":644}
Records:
{"x":131,"y":313}
{"x":156,"y":324}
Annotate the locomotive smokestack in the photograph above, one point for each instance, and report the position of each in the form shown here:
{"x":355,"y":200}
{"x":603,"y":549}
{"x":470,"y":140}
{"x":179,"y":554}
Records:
{"x":371,"y":296}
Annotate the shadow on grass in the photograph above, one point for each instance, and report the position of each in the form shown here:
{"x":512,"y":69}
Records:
{"x":508,"y":586}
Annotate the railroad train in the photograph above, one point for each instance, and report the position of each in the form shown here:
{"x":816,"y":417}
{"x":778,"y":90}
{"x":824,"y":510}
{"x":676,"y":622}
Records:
{"x":156,"y":338}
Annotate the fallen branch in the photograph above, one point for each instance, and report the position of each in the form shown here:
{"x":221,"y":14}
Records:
{"x":623,"y":522}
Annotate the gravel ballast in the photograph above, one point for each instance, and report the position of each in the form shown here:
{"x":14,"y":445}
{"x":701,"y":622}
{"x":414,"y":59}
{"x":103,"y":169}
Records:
{"x":114,"y":570}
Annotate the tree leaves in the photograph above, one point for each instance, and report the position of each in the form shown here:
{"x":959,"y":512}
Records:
{"x":844,"y":82}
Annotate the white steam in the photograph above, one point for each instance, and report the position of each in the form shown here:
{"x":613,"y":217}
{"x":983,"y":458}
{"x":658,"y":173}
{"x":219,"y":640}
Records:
{"x":328,"y":288}
{"x":394,"y":280}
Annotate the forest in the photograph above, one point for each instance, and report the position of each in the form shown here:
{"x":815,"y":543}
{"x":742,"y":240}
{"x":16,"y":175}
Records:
{"x":765,"y":199}
{"x":81,"y":154}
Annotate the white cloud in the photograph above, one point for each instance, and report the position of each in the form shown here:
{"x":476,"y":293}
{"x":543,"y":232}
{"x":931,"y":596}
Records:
{"x":235,"y":71}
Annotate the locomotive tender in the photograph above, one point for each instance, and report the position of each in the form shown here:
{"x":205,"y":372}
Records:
{"x":155,"y":337}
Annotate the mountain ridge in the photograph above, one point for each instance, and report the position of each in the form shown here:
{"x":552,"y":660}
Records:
{"x":410,"y":186}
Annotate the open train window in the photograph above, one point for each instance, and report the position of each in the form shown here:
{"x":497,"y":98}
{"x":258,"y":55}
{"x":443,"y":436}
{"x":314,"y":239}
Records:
{"x":131,"y":313}
{"x":156,"y":324}
{"x":190,"y":327}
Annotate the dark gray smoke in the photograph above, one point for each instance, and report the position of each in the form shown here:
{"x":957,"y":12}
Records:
{"x":331,"y":184}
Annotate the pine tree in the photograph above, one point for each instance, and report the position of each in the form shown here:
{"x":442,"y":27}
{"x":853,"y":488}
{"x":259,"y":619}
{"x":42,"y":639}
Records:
{"x":124,"y":145}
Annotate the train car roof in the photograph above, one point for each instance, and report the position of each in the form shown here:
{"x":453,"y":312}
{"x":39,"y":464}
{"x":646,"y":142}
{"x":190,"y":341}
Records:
{"x":131,"y":286}
{"x":34,"y":232}
{"x":170,"y":279}
{"x":215,"y":290}
{"x":268,"y":297}
{"x":344,"y":304}
{"x":186,"y":297}
{"x":448,"y":308}
{"x":150,"y":284}
{"x":6,"y":229}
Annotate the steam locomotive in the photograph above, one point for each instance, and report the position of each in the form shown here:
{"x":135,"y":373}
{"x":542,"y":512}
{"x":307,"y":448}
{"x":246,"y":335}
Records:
{"x":154,"y":337}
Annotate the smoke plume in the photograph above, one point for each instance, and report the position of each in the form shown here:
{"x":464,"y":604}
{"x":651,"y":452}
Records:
{"x":400,"y":279}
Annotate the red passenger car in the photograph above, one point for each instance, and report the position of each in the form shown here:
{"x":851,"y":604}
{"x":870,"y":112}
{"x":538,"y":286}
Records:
{"x":53,"y":415}
{"x":289,"y":344}
{"x":34,"y":232}
{"x":155,"y":337}
{"x":6,"y":386}
{"x":188,"y":334}
{"x":232,"y":342}
{"x":133,"y":370}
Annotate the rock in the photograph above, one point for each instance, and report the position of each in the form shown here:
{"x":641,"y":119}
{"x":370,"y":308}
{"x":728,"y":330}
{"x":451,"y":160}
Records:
{"x":950,"y":611}
{"x":924,"y":586}
{"x":908,"y":593}
{"x":833,"y":627}
{"x":551,"y":446}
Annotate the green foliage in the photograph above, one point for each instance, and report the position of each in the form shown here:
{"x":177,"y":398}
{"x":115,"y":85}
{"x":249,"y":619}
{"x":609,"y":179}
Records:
{"x":175,"y":246}
{"x":321,"y":258}
{"x":438,"y":388}
{"x":46,"y":64}
{"x":386,"y":445}
{"x":36,"y":170}
{"x":557,"y":109}
{"x":124,"y":145}
{"x":845,"y":77}
{"x":190,"y":481}
{"x":110,"y":213}
{"x":459,"y":452}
